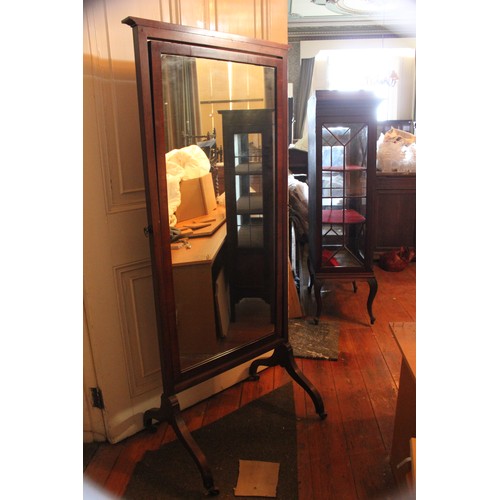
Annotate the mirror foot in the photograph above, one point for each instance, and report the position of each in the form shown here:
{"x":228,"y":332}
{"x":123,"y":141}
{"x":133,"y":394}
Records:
{"x":148,"y":417}
{"x":151,"y":428}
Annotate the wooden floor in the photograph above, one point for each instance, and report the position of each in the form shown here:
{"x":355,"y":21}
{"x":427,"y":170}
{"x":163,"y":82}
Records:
{"x":345,"y":456}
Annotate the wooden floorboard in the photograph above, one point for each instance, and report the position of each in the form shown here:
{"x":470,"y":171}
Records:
{"x":360,"y":425}
{"x":103,"y":462}
{"x":345,"y":456}
{"x":377,"y":380}
{"x":226,"y":402}
{"x":328,"y":448}
{"x":304,"y":467}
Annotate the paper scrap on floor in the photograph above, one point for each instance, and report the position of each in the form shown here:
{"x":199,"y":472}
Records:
{"x":257,"y":479}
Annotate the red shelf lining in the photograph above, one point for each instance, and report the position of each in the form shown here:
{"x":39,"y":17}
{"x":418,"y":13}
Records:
{"x":328,"y":258}
{"x":348,"y":216}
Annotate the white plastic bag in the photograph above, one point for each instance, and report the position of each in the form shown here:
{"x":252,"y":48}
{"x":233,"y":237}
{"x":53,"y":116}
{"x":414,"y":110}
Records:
{"x":174,"y":197}
{"x":390,"y":157}
{"x":396,"y":151}
{"x":191,"y":159}
{"x":181,"y":164}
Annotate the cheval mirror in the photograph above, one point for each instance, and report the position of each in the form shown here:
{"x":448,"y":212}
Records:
{"x":217,"y":222}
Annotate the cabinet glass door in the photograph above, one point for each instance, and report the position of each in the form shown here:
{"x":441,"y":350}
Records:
{"x":249,"y":190}
{"x":343,"y":194}
{"x":249,"y":173}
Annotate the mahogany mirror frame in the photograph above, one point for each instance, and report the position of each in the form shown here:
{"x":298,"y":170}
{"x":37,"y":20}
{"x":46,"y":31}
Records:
{"x":224,"y":47}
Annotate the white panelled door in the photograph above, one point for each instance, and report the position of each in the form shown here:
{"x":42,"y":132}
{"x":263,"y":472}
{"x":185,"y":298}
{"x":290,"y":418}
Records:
{"x":118,"y":295}
{"x":121,"y":354}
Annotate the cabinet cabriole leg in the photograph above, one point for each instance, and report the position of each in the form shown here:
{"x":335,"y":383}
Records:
{"x":310,"y":283}
{"x":319,"y":301}
{"x":371,"y":296}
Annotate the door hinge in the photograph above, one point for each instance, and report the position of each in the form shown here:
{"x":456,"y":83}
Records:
{"x":97,"y":401}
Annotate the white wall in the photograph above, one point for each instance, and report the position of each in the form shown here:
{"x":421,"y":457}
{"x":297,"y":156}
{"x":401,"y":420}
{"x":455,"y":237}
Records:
{"x":403,"y":104}
{"x":311,"y":48}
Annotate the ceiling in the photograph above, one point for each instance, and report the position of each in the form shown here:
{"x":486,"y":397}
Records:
{"x":313,"y":19}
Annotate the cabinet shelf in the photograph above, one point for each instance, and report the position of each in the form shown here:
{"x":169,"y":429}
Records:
{"x":249,"y":204}
{"x":251,"y":236}
{"x":348,"y":216}
{"x":347,"y":168}
{"x":340,"y":196}
{"x":340,"y":257}
{"x":248,"y":169}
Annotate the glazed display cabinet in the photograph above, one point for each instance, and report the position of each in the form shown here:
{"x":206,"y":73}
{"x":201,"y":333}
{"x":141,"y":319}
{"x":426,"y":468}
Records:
{"x":341,"y":173}
{"x":248,"y":182}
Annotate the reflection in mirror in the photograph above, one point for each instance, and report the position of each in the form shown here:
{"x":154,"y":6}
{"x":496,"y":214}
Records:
{"x":224,"y":256}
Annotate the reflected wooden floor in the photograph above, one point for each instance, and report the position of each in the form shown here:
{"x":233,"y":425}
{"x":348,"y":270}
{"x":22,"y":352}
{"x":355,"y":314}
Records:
{"x":345,"y":456}
{"x":252,"y":322}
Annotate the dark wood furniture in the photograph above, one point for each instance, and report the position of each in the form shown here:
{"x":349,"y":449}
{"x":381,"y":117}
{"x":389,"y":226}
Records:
{"x":297,"y":162}
{"x":196,"y":273}
{"x":395,"y":201}
{"x":172,"y":64}
{"x":342,"y":162}
{"x":395,"y":211}
{"x":248,"y":180}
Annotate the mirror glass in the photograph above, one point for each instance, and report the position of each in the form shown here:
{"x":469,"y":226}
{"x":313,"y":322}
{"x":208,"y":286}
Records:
{"x":219,"y":135}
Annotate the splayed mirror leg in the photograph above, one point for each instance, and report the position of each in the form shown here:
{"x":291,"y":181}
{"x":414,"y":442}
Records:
{"x":171,"y":413}
{"x":283,"y":356}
